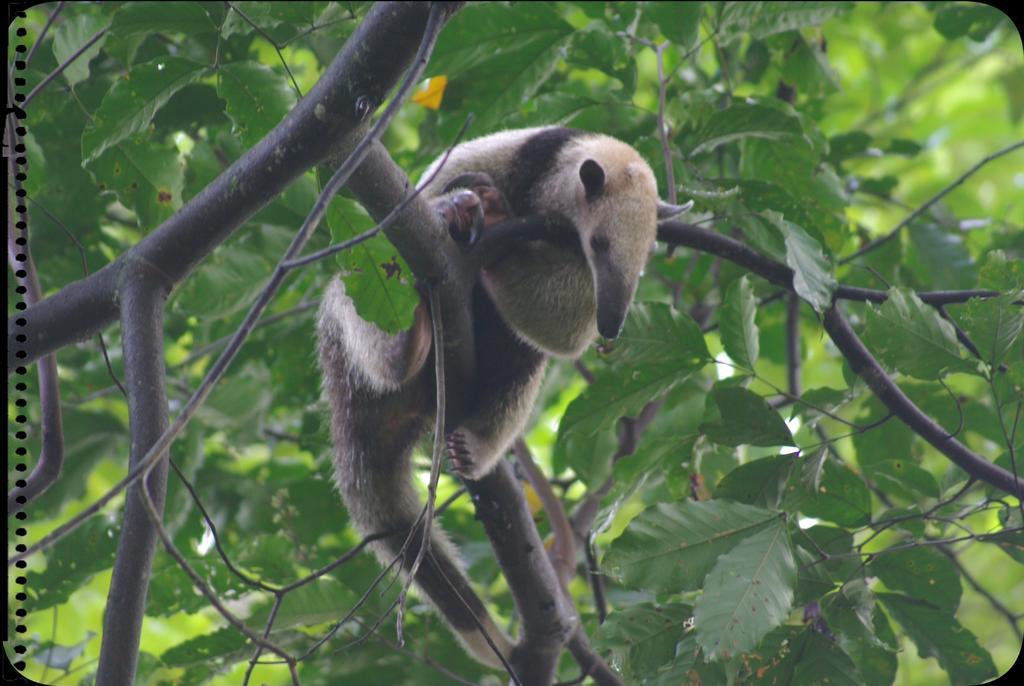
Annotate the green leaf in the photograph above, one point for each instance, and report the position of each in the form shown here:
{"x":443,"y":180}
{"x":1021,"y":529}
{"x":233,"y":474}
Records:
{"x":1000,"y":272}
{"x":760,"y":19}
{"x":863,"y":632}
{"x":613,"y":395}
{"x":807,"y":68}
{"x":485,"y":40}
{"x":655,"y":333}
{"x":650,"y":644}
{"x":792,"y":657}
{"x":909,"y":336}
{"x":190,"y":18}
{"x":239,"y":402}
{"x":747,"y":593}
{"x":226,"y":282}
{"x":812,"y":271}
{"x":658,"y":348}
{"x":940,"y":258}
{"x":743,"y":120}
{"x":129,"y":105}
{"x":760,"y":482}
{"x":679,"y":22}
{"x":257,"y":98}
{"x":788,"y":163}
{"x":147,"y":178}
{"x":922,"y":573}
{"x":736,"y":322}
{"x":974,"y":20}
{"x":939,"y":634}
{"x":745,"y":418}
{"x":222,"y":643}
{"x":72,"y":562}
{"x":994,"y":325}
{"x":671,"y":547}
{"x":840,"y":497}
{"x":69,"y":37}
{"x":904,"y":478}
{"x":375,"y":275}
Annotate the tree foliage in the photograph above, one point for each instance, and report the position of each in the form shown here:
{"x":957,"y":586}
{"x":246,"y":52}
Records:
{"x":755,"y":513}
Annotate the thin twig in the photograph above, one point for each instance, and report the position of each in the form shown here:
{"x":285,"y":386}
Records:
{"x":931,"y":201}
{"x":63,"y":65}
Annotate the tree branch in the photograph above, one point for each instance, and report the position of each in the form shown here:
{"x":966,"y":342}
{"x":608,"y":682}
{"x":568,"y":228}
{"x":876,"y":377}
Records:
{"x":142,"y":298}
{"x":548,"y":619}
{"x":899,"y":404}
{"x":325,"y":123}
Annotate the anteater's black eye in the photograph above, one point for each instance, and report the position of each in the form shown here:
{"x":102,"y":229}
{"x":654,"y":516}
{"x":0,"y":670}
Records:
{"x":598,"y":243}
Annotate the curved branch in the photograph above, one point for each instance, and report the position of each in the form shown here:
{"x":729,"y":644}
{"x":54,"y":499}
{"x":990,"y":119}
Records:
{"x":899,"y":404}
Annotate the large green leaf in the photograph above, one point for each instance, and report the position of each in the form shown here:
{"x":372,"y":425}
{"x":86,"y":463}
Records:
{"x":840,"y":496}
{"x":747,"y":593}
{"x":129,"y":105}
{"x":147,"y":178}
{"x":744,"y":120}
{"x":760,"y":482}
{"x":658,"y":348}
{"x":745,"y":418}
{"x":257,"y":98}
{"x":654,"y":334}
{"x":910,"y":336}
{"x":671,"y":547}
{"x":736,"y":321}
{"x":680,"y":22}
{"x":939,"y":634}
{"x":923,"y":573}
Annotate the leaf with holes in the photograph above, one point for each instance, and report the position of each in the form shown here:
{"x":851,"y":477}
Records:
{"x":747,"y":593}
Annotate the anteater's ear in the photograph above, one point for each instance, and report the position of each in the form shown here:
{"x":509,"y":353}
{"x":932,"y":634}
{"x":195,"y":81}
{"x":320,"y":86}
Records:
{"x":667,"y":210}
{"x":592,"y":176}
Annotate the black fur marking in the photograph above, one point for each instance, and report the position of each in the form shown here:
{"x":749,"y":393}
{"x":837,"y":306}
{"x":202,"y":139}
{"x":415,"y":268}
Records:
{"x":533,"y":161}
{"x":592,"y":176}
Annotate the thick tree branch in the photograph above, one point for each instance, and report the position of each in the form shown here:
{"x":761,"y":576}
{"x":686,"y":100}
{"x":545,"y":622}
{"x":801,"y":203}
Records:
{"x":548,"y":618}
{"x":899,"y":404}
{"x":325,"y":123}
{"x":142,"y":296}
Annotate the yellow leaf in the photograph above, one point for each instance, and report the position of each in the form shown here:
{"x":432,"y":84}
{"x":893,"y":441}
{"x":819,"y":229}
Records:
{"x":532,"y":500}
{"x":430,"y":96}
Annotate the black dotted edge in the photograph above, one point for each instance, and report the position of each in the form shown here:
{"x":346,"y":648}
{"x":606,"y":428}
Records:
{"x":21,"y":352}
